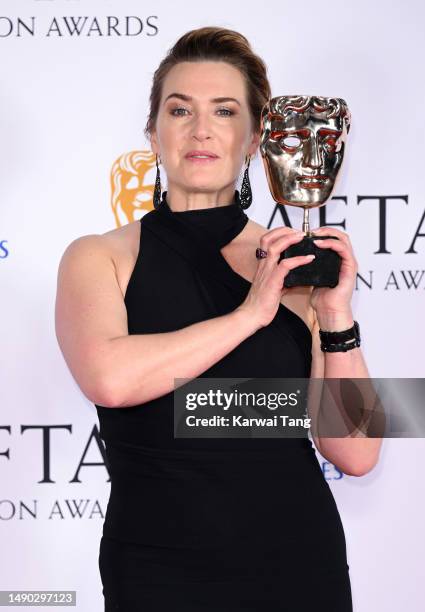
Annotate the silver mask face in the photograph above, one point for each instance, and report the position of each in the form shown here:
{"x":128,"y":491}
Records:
{"x":302,"y":145}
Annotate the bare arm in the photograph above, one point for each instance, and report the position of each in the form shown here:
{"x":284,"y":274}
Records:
{"x":355,"y":454}
{"x":115,"y":369}
{"x":111,"y":367}
{"x":143,"y":366}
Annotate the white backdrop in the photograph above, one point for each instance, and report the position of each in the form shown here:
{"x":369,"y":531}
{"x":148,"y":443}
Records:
{"x":73,"y":104}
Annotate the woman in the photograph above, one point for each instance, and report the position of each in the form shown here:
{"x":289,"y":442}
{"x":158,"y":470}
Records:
{"x":208,"y":524}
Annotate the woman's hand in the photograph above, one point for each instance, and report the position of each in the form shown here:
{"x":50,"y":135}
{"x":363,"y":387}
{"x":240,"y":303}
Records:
{"x":333,"y":305}
{"x":267,"y":288}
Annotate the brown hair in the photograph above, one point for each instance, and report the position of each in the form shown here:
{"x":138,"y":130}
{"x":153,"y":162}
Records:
{"x":214,"y":44}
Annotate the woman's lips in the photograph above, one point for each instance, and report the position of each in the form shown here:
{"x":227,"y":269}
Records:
{"x":201,"y":160}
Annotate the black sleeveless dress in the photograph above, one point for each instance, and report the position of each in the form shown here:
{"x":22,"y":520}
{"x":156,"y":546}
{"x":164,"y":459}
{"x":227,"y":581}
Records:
{"x":213,"y":524}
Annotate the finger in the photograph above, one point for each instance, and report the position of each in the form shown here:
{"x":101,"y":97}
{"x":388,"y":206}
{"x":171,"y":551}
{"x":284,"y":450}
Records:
{"x":276,"y":233}
{"x":332,"y":232}
{"x":339,"y":246}
{"x":275,"y":248}
{"x":292,"y":262}
{"x":288,"y":264}
{"x":324,"y":232}
{"x":327,"y":228}
{"x":341,"y":237}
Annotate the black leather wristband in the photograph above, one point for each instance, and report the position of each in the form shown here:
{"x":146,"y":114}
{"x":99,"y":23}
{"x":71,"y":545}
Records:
{"x":345,"y":340}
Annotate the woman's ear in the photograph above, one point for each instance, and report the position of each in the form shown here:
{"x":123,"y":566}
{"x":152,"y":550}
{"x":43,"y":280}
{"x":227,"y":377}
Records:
{"x":154,"y":143}
{"x":255,"y":142}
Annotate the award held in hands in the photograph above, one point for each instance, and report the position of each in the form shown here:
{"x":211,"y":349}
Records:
{"x":302,"y":145}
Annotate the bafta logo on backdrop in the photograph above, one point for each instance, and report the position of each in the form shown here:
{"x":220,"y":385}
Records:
{"x":132,"y":185}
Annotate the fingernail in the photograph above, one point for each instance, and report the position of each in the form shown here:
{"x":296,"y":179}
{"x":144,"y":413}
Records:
{"x":310,"y":256}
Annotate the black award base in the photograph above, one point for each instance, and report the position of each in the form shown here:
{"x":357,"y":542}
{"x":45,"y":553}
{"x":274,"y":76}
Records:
{"x":323,"y":271}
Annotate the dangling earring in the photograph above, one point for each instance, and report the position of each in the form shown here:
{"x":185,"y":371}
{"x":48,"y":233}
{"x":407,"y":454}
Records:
{"x":246,"y":192}
{"x":157,"y":190}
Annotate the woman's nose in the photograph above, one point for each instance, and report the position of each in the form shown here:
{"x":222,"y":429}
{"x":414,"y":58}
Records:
{"x":200,"y":126}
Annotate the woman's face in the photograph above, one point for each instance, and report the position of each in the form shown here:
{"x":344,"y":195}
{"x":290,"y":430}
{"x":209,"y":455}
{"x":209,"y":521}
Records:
{"x":194,"y":121}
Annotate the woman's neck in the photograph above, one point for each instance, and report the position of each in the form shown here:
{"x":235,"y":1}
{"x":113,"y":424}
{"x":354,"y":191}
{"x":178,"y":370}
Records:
{"x":181,"y":200}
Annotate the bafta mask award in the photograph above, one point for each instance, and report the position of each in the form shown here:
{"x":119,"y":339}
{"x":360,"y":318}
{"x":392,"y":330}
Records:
{"x":302,"y":145}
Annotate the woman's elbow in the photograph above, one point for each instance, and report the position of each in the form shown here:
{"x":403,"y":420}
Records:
{"x":361,"y":468}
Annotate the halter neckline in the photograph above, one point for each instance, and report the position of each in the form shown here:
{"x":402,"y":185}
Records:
{"x":220,"y":224}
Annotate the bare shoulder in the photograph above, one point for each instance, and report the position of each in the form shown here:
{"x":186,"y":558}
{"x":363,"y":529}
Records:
{"x":83,"y":245}
{"x":89,"y":308}
{"x":83,"y":252}
{"x":119,"y":247}
{"x":123,"y":240}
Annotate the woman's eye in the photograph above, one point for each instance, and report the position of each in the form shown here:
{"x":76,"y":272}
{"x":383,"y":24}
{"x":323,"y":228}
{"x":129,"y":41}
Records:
{"x":172,"y":112}
{"x":226,"y":110}
{"x":175,"y":112}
